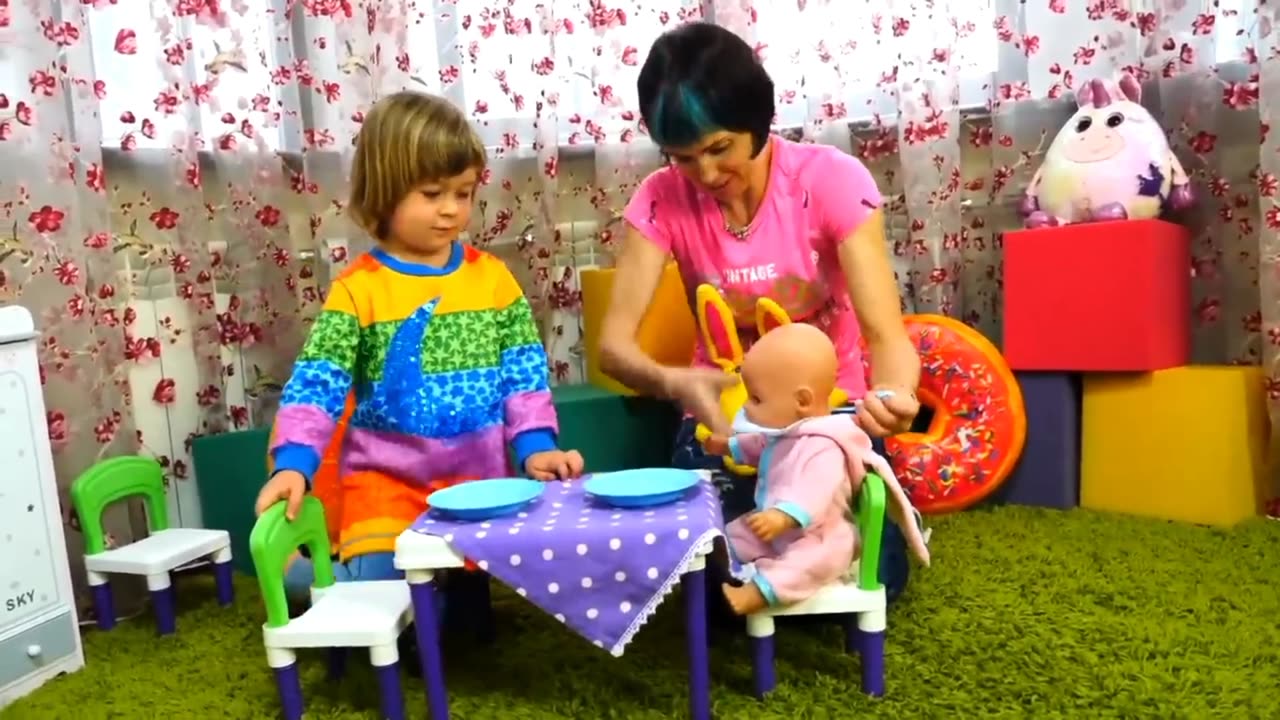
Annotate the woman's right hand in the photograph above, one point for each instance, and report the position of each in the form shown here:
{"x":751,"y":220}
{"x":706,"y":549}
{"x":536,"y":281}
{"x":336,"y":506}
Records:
{"x":698,"y":392}
{"x":287,"y":485}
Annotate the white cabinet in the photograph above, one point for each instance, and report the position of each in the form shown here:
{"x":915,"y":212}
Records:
{"x":39,"y":633}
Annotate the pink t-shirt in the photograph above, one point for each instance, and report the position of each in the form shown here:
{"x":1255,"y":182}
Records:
{"x":817,"y":196}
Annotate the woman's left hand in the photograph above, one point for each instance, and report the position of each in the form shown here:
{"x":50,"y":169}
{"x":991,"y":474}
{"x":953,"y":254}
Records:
{"x":887,"y":410}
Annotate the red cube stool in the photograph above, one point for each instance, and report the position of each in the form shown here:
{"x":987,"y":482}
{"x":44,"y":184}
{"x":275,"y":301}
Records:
{"x":1111,"y":296}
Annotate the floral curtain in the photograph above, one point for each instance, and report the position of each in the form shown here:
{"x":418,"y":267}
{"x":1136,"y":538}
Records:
{"x":172,"y":172}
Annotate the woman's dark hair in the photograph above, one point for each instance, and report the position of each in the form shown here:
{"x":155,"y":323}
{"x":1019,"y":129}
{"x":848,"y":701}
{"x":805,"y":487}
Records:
{"x":700,"y":78}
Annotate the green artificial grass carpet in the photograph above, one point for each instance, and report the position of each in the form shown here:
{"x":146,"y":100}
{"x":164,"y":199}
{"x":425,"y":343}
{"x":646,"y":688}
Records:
{"x":1025,"y":613}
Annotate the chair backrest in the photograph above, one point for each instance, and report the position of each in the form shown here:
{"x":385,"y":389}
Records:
{"x":274,"y":539}
{"x":113,"y":480}
{"x":870,"y":515}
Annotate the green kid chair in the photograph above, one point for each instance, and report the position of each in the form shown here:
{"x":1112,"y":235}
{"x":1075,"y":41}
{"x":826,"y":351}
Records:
{"x":154,"y":557}
{"x":859,"y":597}
{"x":367,"y":614}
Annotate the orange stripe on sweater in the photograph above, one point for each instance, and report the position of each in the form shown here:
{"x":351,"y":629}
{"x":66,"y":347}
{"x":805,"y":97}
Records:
{"x":376,"y":508}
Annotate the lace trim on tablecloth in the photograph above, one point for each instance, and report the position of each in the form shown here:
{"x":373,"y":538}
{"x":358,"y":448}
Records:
{"x":642,"y":617}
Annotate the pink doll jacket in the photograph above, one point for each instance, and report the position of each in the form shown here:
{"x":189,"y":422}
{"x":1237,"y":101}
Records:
{"x":787,"y":481}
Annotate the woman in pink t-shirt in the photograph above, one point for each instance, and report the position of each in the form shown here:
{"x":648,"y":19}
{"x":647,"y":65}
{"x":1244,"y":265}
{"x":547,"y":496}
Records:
{"x":756,"y":216}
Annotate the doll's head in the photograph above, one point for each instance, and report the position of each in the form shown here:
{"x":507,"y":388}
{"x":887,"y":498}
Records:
{"x":789,"y":374}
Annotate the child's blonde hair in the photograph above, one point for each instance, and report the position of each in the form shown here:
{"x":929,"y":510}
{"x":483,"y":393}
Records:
{"x":407,"y":139}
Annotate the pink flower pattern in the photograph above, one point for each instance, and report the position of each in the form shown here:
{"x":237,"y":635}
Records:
{"x":179,"y":150}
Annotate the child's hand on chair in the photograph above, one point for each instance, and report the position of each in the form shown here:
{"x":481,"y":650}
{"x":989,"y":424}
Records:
{"x":287,"y":485}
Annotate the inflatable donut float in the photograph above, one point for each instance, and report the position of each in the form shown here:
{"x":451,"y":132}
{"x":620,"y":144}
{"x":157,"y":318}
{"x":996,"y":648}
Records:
{"x":979,"y":423}
{"x":326,"y":485}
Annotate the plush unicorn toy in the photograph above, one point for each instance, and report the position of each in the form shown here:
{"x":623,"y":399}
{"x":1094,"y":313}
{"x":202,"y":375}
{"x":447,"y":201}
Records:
{"x":1111,"y":161}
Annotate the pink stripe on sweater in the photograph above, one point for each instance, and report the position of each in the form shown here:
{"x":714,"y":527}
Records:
{"x":419,"y":460}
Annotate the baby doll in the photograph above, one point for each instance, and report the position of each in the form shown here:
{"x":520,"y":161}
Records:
{"x":810,"y":463}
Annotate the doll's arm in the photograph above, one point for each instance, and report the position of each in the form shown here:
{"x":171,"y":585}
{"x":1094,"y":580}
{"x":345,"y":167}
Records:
{"x":1029,"y":202}
{"x":1180,"y":194}
{"x":746,"y":448}
{"x":813,"y":483}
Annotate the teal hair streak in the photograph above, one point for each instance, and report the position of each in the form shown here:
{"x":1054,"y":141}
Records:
{"x":680,"y":118}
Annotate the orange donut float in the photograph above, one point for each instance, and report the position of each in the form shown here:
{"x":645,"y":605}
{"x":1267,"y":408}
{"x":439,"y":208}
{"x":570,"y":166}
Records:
{"x":326,"y":486}
{"x":979,"y":422}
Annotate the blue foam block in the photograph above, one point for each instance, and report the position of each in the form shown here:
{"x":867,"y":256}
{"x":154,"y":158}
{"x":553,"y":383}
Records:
{"x":1048,"y":475}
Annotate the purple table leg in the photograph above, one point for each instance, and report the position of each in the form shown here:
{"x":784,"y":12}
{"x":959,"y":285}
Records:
{"x":485,"y":632}
{"x":390,"y":691}
{"x":290,"y":687}
{"x":871,"y":650}
{"x":694,"y":585}
{"x":104,"y":606}
{"x":226,"y":587}
{"x":425,"y":620}
{"x":163,"y":601}
{"x":762,"y":665}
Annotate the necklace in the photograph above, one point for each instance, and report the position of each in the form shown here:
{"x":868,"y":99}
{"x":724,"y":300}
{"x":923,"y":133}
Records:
{"x":738,"y":234}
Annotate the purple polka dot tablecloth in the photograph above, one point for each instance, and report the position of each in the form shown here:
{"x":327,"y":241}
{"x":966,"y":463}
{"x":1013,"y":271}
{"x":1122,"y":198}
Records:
{"x":600,"y":570}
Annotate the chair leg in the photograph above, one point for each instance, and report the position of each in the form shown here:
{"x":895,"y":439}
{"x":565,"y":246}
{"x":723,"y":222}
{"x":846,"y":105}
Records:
{"x":761,"y":629}
{"x":290,"y":687}
{"x":390,"y":692}
{"x":852,"y":635}
{"x":222,"y":577}
{"x":337,"y":664}
{"x":104,"y":606}
{"x":871,"y":626}
{"x":163,"y":601}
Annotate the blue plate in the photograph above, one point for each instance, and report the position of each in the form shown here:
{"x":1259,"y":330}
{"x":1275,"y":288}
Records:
{"x":485,"y":499}
{"x":647,"y":487}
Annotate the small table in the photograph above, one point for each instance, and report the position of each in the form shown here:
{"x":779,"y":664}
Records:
{"x":421,"y":555}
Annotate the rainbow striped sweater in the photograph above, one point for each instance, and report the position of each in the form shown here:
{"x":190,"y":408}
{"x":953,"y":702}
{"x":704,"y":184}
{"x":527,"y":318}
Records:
{"x":447,"y":369}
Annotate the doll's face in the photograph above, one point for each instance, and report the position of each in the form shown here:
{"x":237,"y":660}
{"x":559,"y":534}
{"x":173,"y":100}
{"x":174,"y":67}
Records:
{"x":773,"y":399}
{"x":767,"y":407}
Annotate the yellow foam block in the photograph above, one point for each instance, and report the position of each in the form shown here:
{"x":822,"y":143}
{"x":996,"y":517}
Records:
{"x":1188,"y":444}
{"x":666,"y":332}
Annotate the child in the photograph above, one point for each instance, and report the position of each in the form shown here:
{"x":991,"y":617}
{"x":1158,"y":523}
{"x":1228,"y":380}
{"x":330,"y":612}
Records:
{"x":434,"y":337}
{"x":800,"y":538}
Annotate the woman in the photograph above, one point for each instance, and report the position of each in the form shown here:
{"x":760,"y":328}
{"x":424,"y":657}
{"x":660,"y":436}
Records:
{"x":756,"y":216}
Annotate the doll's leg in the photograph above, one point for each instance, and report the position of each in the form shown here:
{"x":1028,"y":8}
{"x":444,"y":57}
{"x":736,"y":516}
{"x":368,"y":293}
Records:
{"x":806,"y":566}
{"x":746,"y":547}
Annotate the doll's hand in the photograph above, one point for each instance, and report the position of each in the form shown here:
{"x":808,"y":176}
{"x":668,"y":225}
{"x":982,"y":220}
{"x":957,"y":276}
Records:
{"x":553,"y":464}
{"x":769,"y":524}
{"x":716,"y":445}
